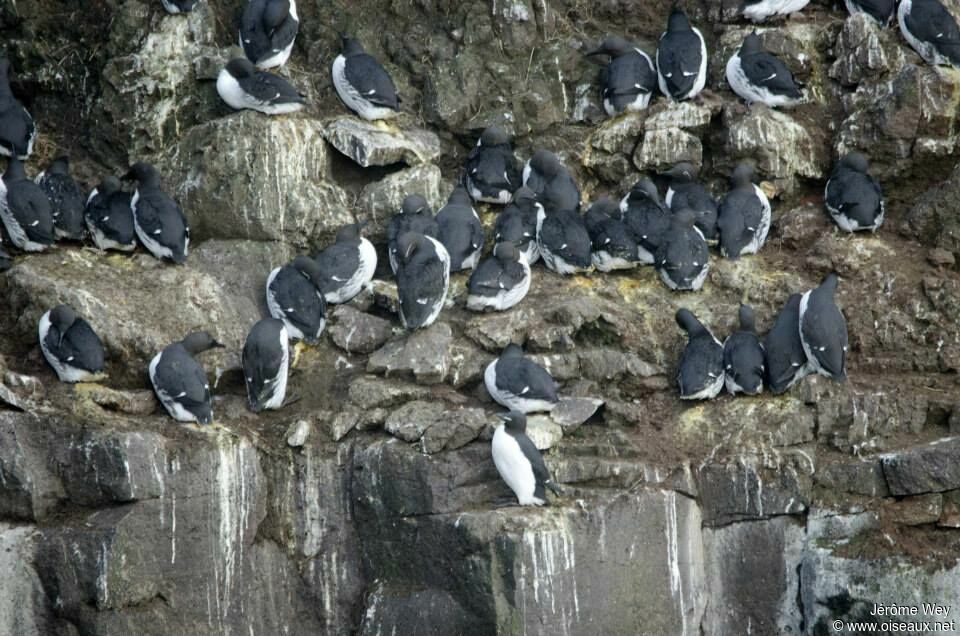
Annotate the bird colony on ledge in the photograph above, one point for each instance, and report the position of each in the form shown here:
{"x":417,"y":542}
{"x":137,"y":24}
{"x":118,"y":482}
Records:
{"x":543,"y":219}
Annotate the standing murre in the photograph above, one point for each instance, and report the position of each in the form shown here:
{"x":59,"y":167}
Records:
{"x":66,"y":200}
{"x":268,"y":29}
{"x":17,"y":130}
{"x":757,"y":75}
{"x":700,"y":372}
{"x":266,"y":363}
{"x":157,"y":219}
{"x":681,"y":58}
{"x":519,"y":462}
{"x":760,"y":10}
{"x":520,"y":384}
{"x":501,"y":281}
{"x":683,"y":258}
{"x":294,"y":297}
{"x":362,"y":83}
{"x":551,"y":181}
{"x":629,"y":80}
{"x":931,"y":30}
{"x":823,"y":330}
{"x":853,"y":197}
{"x":744,"y":218}
{"x":686,"y":190}
{"x":347,"y":266}
{"x":423,"y":278}
{"x":613,"y":244}
{"x":180,"y":381}
{"x":492,"y":171}
{"x":743,"y":357}
{"x":25,"y":210}
{"x":415,"y":215}
{"x":241,"y":86}
{"x":460,"y":230}
{"x":517,"y":223}
{"x":786,"y":360}
{"x":70,"y":345}
{"x":109,"y":218}
{"x":646,"y":218}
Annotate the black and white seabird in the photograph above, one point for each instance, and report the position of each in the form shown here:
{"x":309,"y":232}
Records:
{"x":66,"y":200}
{"x":931,"y":30}
{"x":266,"y":361}
{"x":786,"y":360}
{"x":157,"y":219}
{"x":25,"y":210}
{"x":700,"y":373}
{"x":685,"y":188}
{"x":492,"y":172}
{"x":179,"y":6}
{"x":823,"y":330}
{"x":520,"y":384}
{"x":363,"y":84}
{"x":17,"y":130}
{"x":613,"y":244}
{"x":415,"y":215}
{"x":551,"y":181}
{"x":460,"y":230}
{"x":628,"y":81}
{"x":760,"y":10}
{"x":500,"y":281}
{"x":681,"y":58}
{"x":180,"y":381}
{"x":646,"y":218}
{"x":563,"y":241}
{"x":347,"y":266}
{"x":880,"y":10}
{"x":519,"y":462}
{"x":518,"y":224}
{"x":757,"y":75}
{"x":70,"y":345}
{"x":294,"y":297}
{"x":109,"y":218}
{"x":744,"y":218}
{"x":267,"y":31}
{"x":682,"y":260}
{"x":853,"y":198}
{"x":423,"y":278}
{"x":241,"y":86}
{"x":743,"y":360}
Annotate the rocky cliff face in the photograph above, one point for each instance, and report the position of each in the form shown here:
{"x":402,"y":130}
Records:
{"x":365,"y":507}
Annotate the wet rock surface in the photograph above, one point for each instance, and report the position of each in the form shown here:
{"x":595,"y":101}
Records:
{"x":369,"y":504}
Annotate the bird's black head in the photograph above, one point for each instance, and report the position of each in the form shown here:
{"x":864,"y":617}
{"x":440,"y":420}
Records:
{"x":613,"y":45}
{"x":349,"y":233}
{"x":747,"y":319}
{"x":688,"y":322}
{"x":506,"y":251}
{"x":751,"y":44}
{"x":350,"y":46}
{"x":512,"y":351}
{"x":856,"y":161}
{"x":683,"y":172}
{"x":62,"y":317}
{"x":494,"y":136}
{"x":683,"y":216}
{"x":546,"y":163}
{"x":408,"y":244}
{"x":414,"y":204}
{"x":241,"y":67}
{"x":514,"y":421}
{"x":108,"y":185}
{"x":60,"y":165}
{"x":524,"y":196}
{"x":198,"y":342}
{"x":645,"y":187}
{"x":143,"y":172}
{"x":830,"y":282}
{"x":678,"y":21}
{"x":743,"y":174}
{"x":16,"y":171}
{"x":604,"y":207}
{"x":459,"y":196}
{"x":308,"y":267}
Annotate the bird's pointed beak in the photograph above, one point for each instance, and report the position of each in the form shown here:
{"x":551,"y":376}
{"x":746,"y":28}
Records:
{"x":503,"y":416}
{"x":597,"y":51}
{"x":219,"y":345}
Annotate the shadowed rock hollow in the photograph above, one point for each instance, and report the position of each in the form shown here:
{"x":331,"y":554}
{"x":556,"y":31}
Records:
{"x":366,"y":506}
